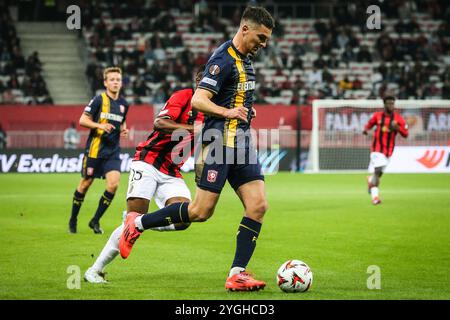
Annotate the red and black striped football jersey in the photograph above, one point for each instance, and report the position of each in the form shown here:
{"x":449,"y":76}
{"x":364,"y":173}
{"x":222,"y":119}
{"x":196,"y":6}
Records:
{"x":384,"y":136}
{"x":159,"y":149}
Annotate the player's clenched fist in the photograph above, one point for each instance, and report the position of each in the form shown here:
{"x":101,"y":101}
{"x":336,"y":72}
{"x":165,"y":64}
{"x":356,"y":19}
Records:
{"x":395,"y":126}
{"x":253,"y":114}
{"x":107,"y":127}
{"x":124,"y":132}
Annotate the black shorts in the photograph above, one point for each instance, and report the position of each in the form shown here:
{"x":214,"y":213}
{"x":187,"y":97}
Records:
{"x":239,"y":166}
{"x":98,"y":167}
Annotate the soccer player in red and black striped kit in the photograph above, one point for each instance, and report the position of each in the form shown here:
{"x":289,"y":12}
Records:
{"x":388,"y":123}
{"x":155,"y":170}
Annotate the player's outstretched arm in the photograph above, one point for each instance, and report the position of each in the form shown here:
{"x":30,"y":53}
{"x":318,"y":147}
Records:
{"x":166,"y":121}
{"x":202,"y":102}
{"x":370,"y":124}
{"x":166,"y":125}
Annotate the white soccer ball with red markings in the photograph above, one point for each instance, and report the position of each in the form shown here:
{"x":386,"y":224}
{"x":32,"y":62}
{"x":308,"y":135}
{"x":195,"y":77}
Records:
{"x":294,"y":276}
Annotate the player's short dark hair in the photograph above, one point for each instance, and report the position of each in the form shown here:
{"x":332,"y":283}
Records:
{"x":386,"y":98}
{"x":259,"y":15}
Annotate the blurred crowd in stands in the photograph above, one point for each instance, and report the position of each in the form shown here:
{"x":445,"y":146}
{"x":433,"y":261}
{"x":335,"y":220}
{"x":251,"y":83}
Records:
{"x":21,"y":78}
{"x":402,"y":58}
{"x":406,"y":60}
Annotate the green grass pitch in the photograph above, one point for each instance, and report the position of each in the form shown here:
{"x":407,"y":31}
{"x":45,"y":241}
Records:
{"x":325,"y":220}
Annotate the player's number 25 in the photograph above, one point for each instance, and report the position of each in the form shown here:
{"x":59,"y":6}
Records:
{"x":136,"y":175}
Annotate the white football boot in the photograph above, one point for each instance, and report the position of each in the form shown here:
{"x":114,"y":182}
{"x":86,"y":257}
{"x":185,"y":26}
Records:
{"x":93,"y":276}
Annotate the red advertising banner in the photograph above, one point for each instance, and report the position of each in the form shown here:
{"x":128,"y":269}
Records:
{"x":29,"y":118}
{"x":140,"y":117}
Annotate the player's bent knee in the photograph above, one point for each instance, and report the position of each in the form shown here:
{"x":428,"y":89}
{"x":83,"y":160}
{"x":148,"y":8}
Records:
{"x":198,"y":214}
{"x":83,"y":188}
{"x":112,"y":187}
{"x":261,"y":207}
{"x":265,"y":206}
{"x":258,"y":211}
{"x":84,"y":185}
{"x":200,"y":217}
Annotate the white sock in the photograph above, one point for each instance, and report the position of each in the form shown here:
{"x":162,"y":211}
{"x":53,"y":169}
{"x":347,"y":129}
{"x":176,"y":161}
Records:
{"x":374,"y":192}
{"x":138,"y":223}
{"x":170,"y":227}
{"x":235,"y":270}
{"x":110,"y":250}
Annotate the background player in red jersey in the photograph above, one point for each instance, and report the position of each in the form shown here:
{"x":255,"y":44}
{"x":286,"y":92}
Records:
{"x":155,"y":172}
{"x":388,"y":123}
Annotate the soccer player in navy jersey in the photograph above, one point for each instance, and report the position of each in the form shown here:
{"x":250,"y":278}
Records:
{"x":388,"y":123}
{"x":225,"y":96}
{"x":105,"y":115}
{"x":155,"y":170}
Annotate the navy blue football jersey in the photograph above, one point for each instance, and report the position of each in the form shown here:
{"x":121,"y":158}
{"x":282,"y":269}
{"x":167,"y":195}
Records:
{"x":231,"y":77}
{"x":103,"y":109}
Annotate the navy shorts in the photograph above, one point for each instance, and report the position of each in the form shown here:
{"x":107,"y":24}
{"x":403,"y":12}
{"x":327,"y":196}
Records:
{"x":239,"y":166}
{"x":98,"y":167}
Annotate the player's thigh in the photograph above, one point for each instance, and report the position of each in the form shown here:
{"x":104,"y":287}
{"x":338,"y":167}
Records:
{"x":176,"y":199}
{"x":253,"y":197}
{"x":89,"y":171}
{"x":84,"y":184}
{"x":203,"y":205}
{"x":377,"y":171}
{"x":245,"y":171}
{"x":170,"y":187}
{"x":111,"y":171}
{"x":139,"y":205}
{"x":210,"y":173}
{"x":112,"y":180}
{"x":378,"y":161}
{"x":142,"y":184}
{"x":92,"y":168}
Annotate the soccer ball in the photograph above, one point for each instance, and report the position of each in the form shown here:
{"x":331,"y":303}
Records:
{"x":294,"y":276}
